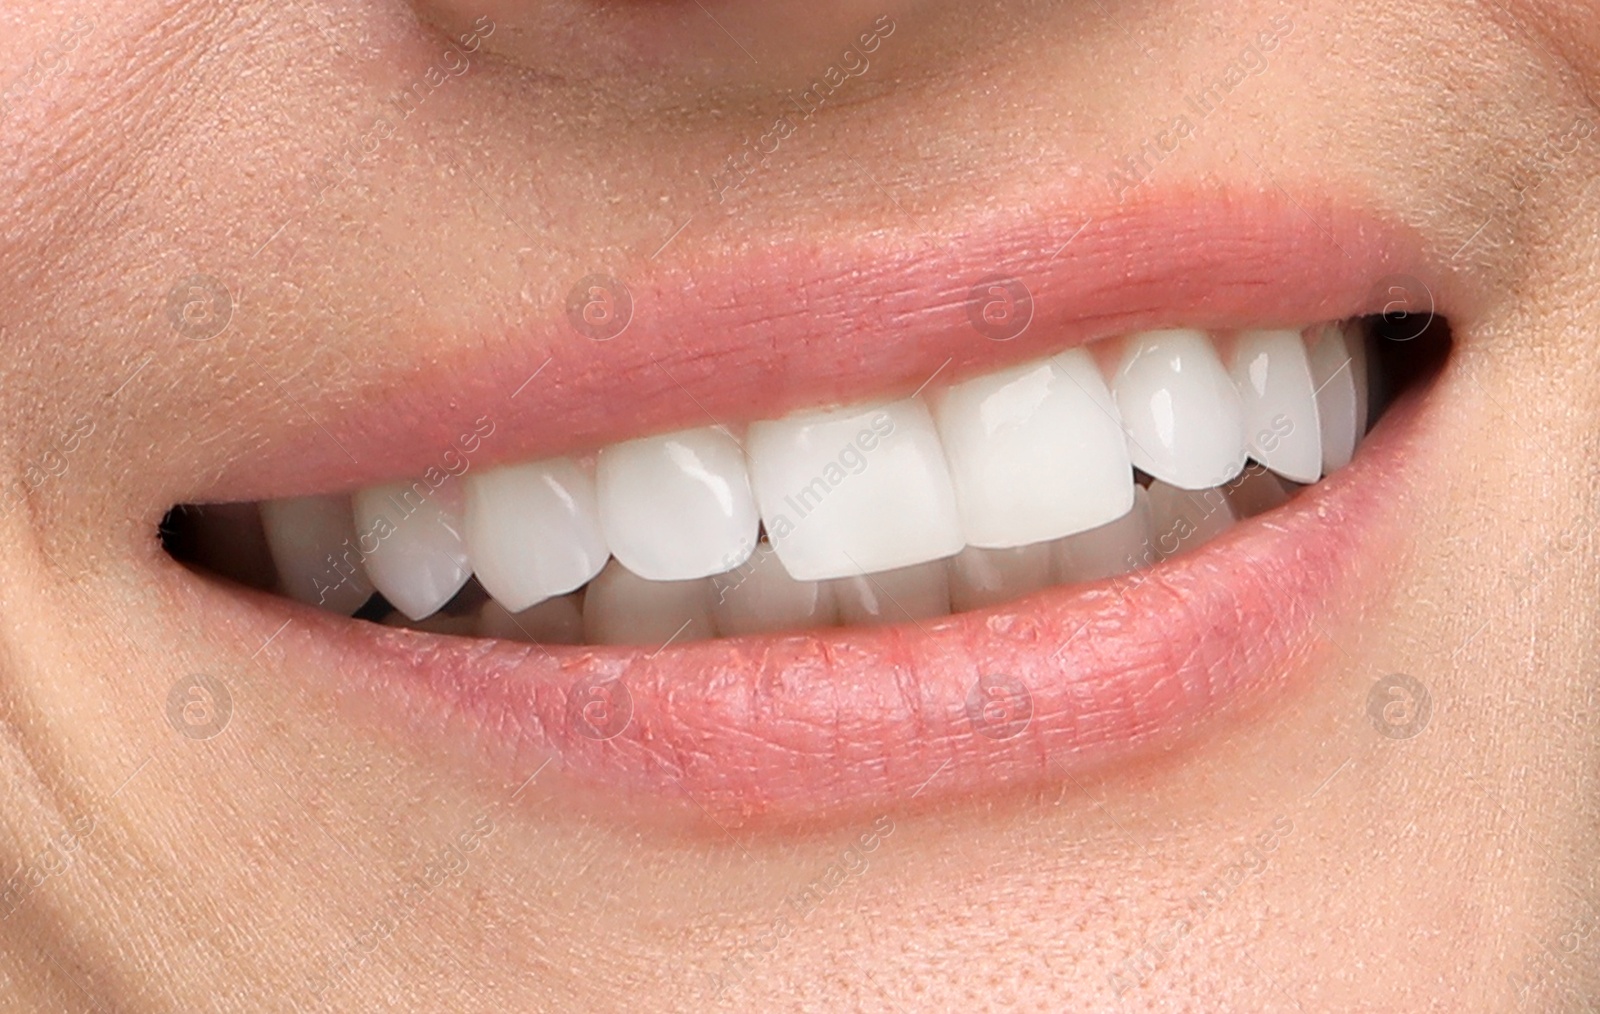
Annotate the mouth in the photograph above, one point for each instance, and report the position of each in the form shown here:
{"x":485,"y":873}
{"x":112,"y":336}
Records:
{"x":1119,"y":507}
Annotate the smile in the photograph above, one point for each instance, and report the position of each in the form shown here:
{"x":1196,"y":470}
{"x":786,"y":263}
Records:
{"x":978,"y":575}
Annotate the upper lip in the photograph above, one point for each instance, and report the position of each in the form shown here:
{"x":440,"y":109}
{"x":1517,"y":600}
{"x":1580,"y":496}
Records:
{"x":805,"y":724}
{"x":729,"y":340}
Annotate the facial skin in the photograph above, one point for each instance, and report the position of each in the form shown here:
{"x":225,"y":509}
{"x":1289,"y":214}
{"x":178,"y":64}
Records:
{"x":304,"y":857}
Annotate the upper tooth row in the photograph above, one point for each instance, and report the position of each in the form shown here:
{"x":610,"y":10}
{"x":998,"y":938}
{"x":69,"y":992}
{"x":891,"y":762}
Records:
{"x":1021,"y":456}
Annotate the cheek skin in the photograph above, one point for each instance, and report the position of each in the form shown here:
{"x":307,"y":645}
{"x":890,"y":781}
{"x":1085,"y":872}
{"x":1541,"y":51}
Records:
{"x":178,"y":139}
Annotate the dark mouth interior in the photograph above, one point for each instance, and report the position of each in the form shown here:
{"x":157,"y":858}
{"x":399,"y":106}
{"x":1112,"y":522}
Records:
{"x":226,"y":540}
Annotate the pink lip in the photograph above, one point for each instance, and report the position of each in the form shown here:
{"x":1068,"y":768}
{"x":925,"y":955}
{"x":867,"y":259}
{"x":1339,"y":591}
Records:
{"x":732,"y":340}
{"x":804,"y":726}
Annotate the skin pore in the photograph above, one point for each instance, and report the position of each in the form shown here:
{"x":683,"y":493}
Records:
{"x":372,"y":197}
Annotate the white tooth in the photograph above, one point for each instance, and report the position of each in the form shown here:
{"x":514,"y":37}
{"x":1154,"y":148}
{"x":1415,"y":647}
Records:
{"x":1355,"y":339}
{"x":553,"y":621}
{"x":1035,"y":452}
{"x":1185,"y":520}
{"x":1256,"y":491}
{"x":1333,"y":370}
{"x":1179,"y":408}
{"x":904,"y":595}
{"x":677,"y":506}
{"x":314,"y":546}
{"x":421,"y":560}
{"x":987,"y":577}
{"x":856,"y":490}
{"x":1124,"y":545}
{"x":533,"y":531}
{"x":761,"y":597}
{"x":620,"y":607}
{"x":1273,"y":377}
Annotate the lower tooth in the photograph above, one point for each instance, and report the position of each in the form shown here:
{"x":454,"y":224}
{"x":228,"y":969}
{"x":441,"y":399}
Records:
{"x":421,"y":559}
{"x":1256,"y":491}
{"x":314,"y":546}
{"x":986,"y":577}
{"x":918,"y":592}
{"x":1124,"y":545}
{"x":620,"y":607}
{"x":760,"y":597}
{"x":553,"y":621}
{"x":1185,"y":520}
{"x":439,"y":623}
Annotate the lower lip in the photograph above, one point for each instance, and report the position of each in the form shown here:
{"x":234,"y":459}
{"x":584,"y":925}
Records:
{"x":827,"y":724}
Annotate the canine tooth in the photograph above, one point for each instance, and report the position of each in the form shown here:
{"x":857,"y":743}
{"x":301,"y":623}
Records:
{"x":318,"y":557}
{"x":421,"y":559}
{"x":1035,"y":453}
{"x":1185,"y":520}
{"x":1273,"y":378}
{"x":761,"y":597}
{"x":533,"y":531}
{"x":620,"y":607}
{"x":677,"y":506}
{"x":1179,"y":408}
{"x":903,"y":595}
{"x":856,"y":490}
{"x":1119,"y":547}
{"x":1333,"y":371}
{"x":1256,"y":491}
{"x":553,"y":621}
{"x":986,"y":577}
{"x":1355,"y":340}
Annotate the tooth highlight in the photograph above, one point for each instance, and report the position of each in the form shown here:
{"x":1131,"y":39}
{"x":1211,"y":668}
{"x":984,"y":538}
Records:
{"x":620,"y":607}
{"x":678,"y":506}
{"x":533,"y":531}
{"x":421,"y":559}
{"x":1179,"y":408}
{"x":760,"y":597}
{"x":1035,"y":453}
{"x":316,"y":552}
{"x":1279,"y":402}
{"x":854,"y":491}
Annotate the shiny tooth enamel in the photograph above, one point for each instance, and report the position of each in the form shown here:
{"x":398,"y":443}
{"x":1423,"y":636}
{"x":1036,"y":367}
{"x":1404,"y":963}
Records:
{"x":1333,"y":372}
{"x":1273,"y":378}
{"x":677,"y":506}
{"x":533,"y":531}
{"x":316,"y":552}
{"x":420,"y":560}
{"x":903,"y":595}
{"x":857,"y":490}
{"x":1119,"y":547}
{"x":1184,"y":520}
{"x":1035,"y":452}
{"x":760,"y":597}
{"x":986,"y":577}
{"x":1179,"y":408}
{"x":620,"y":607}
{"x":554,"y":621}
